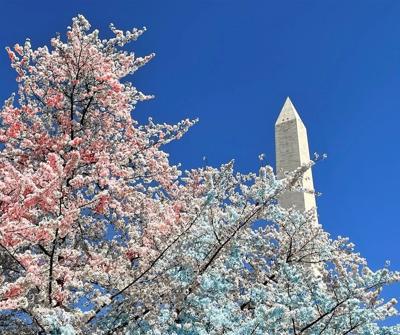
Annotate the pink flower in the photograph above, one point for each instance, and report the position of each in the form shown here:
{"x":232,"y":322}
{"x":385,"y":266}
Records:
{"x":11,"y":54}
{"x":18,"y":49}
{"x":104,"y":172}
{"x":76,"y":141}
{"x":14,"y":130}
{"x":55,"y":100}
{"x":60,"y":296}
{"x":31,"y":201}
{"x":130,"y":254}
{"x":13,"y":292}
{"x":102,"y":204}
{"x":43,"y":236}
{"x":66,"y":223}
{"x":53,"y":161}
{"x":72,"y":163}
{"x":10,"y":240}
{"x":26,"y":260}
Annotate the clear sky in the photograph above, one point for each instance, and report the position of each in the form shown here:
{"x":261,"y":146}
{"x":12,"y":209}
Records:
{"x":233,"y":62}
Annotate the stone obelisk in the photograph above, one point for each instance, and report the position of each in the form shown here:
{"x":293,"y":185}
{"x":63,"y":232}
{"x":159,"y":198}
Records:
{"x":291,"y":148}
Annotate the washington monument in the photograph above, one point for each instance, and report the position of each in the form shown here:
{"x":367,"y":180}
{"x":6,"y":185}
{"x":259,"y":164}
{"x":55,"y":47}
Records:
{"x":291,"y":148}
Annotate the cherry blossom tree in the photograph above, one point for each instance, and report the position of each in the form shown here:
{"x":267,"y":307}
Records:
{"x":100,"y":233}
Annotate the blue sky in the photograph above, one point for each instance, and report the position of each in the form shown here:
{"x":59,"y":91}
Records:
{"x":233,"y":62}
